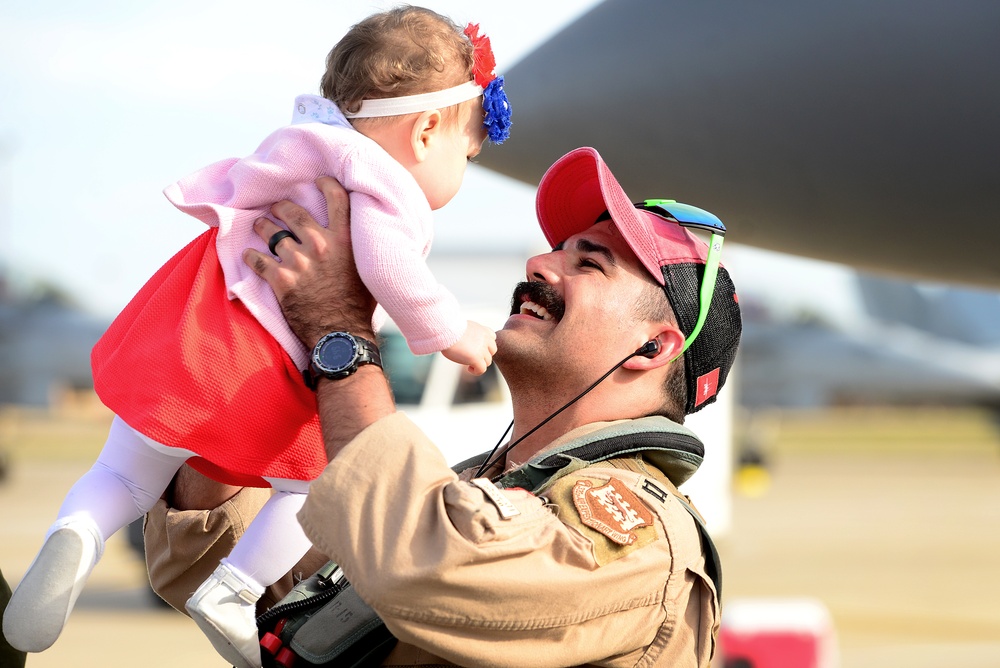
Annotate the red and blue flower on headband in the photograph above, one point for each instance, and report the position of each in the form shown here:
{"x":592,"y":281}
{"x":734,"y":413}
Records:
{"x":485,"y":82}
{"x":495,"y":103}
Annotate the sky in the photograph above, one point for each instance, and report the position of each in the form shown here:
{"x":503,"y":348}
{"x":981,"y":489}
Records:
{"x":108,"y":102}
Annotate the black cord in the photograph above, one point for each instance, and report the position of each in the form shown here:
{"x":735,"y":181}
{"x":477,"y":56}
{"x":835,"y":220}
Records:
{"x":487,"y":463}
{"x":491,"y":459}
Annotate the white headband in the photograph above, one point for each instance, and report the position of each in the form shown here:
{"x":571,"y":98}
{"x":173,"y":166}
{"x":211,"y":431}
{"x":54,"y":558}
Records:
{"x":409,"y":104}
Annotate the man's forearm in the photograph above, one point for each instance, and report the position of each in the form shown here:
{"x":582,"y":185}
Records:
{"x":349,"y":405}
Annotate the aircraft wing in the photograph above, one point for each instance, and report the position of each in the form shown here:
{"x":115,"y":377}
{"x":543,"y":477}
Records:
{"x":865,"y":133}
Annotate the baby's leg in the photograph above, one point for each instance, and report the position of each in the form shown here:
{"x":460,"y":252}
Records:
{"x":128,"y":477}
{"x":274,"y":541}
{"x":224,"y":606}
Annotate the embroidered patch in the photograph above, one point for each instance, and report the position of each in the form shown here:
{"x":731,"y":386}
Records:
{"x":611,"y":509}
{"x":503,"y":504}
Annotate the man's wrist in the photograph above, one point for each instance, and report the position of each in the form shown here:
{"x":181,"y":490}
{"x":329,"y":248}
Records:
{"x":349,"y":405}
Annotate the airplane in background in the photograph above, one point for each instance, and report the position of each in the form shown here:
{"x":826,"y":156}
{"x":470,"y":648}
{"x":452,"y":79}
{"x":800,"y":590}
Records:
{"x":45,"y":343}
{"x":855,"y":132}
{"x":912,"y":343}
{"x":860,"y":133}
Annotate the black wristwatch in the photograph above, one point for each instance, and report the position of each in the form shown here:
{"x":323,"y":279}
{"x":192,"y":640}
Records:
{"x":339,"y":354}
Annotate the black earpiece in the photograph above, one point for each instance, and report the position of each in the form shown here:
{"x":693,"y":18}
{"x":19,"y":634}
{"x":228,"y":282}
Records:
{"x":649,"y":349}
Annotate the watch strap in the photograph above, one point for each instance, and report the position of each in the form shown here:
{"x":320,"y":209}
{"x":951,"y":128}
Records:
{"x":369,"y":353}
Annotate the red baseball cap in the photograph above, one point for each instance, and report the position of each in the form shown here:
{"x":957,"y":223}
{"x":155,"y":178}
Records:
{"x":578,"y":190}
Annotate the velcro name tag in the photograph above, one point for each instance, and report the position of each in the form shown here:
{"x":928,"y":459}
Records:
{"x":504,"y":506}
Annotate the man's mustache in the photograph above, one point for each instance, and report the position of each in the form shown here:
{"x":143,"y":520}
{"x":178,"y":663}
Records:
{"x":542,"y":294}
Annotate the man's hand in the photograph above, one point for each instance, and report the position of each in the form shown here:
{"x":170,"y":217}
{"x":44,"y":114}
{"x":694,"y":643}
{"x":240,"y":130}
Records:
{"x":316,"y":281}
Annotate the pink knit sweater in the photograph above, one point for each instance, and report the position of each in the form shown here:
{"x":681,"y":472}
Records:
{"x":391,"y":224}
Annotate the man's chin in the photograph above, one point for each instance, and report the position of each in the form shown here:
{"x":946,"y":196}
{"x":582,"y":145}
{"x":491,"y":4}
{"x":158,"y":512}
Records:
{"x":509,"y":344}
{"x":521,"y":338}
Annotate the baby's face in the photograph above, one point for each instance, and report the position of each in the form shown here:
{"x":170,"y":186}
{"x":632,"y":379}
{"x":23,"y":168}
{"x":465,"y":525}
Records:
{"x":460,"y":140}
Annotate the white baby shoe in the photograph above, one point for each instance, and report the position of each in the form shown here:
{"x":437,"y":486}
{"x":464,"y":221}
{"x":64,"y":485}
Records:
{"x":224,"y":608}
{"x":41,"y":604}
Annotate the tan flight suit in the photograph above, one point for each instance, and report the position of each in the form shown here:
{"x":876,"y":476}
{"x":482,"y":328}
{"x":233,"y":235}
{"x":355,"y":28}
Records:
{"x":601,"y":566}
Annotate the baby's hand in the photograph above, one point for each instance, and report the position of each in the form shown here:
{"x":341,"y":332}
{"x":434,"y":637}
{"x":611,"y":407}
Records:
{"x":475,"y":348}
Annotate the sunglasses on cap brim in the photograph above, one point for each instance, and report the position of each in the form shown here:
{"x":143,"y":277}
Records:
{"x":696,"y":219}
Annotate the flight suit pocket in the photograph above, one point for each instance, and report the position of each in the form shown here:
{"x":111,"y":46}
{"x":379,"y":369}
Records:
{"x":707,"y":633}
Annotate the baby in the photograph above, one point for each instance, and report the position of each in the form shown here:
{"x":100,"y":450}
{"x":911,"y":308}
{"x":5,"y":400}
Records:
{"x":408,"y":99}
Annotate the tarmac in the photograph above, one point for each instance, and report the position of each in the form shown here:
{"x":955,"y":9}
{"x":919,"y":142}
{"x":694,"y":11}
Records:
{"x":888,"y":518}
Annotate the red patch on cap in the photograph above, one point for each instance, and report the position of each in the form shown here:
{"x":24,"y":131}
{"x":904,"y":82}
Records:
{"x":708,"y":385}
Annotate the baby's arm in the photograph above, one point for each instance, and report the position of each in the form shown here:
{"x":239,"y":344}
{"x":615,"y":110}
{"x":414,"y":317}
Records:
{"x":391,"y":229}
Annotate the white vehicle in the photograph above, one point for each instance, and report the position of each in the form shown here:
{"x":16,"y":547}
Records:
{"x":462,"y":414}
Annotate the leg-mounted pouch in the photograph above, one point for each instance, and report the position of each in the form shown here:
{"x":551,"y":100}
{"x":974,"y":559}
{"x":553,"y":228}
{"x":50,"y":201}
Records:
{"x":323,"y":622}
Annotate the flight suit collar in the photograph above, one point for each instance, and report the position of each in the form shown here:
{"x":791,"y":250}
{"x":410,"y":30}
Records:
{"x":670,"y":447}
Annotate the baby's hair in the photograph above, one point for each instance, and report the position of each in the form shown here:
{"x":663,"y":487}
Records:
{"x":403,"y":51}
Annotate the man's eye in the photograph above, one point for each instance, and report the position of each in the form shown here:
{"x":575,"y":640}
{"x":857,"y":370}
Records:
{"x":586,"y":262}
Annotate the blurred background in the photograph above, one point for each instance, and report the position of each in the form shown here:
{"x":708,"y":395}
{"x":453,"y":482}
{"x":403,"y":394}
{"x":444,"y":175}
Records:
{"x":851,"y":148}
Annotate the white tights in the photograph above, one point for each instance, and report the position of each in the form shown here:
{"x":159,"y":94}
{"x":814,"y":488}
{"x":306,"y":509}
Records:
{"x":129,"y":477}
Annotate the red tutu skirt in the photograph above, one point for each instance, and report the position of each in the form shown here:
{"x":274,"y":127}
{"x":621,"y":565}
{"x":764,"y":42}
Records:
{"x":190,"y":368}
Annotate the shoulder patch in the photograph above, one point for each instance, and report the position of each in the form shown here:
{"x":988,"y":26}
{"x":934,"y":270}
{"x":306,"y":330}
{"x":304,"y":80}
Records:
{"x":611,"y":509}
{"x":605,"y":511}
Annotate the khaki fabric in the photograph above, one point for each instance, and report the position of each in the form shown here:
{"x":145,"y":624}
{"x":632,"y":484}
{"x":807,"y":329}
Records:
{"x":432,"y":556}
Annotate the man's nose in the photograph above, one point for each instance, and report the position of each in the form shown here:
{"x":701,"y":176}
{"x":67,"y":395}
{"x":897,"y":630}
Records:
{"x":544,"y":268}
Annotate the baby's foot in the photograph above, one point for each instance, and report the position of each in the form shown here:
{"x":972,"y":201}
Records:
{"x":224,"y":608}
{"x":41,"y":604}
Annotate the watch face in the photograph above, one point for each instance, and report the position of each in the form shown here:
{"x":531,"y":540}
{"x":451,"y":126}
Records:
{"x":338,"y":353}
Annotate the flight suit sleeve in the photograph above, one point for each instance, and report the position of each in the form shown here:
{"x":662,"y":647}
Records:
{"x":445,"y":571}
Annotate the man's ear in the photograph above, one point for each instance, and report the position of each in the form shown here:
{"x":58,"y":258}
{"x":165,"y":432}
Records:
{"x":423,"y":132}
{"x":669,"y":341}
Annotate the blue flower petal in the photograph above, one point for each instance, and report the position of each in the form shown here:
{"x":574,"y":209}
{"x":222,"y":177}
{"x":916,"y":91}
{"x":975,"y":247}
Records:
{"x":497,"y":107}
